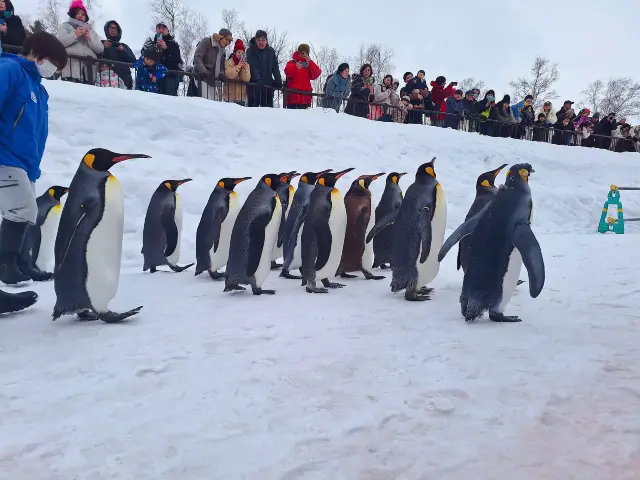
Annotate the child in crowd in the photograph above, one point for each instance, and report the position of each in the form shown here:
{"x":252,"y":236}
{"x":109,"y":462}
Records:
{"x":149,"y":71}
{"x":107,"y":77}
{"x":399,"y":114}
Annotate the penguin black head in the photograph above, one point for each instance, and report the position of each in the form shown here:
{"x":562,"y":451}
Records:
{"x":518,"y":176}
{"x":57,"y":191}
{"x":310,"y":178}
{"x":173,"y":185}
{"x":329,"y":179}
{"x":488,"y":179}
{"x":394,"y":177}
{"x":230,"y":183}
{"x":102,"y":160}
{"x":271,"y":180}
{"x":365,"y":180}
{"x":286,"y":177}
{"x":426,"y":170}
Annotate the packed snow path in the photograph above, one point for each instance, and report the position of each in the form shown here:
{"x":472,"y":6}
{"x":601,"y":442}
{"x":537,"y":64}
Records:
{"x":356,"y":384}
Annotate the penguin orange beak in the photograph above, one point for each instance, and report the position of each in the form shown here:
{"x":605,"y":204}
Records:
{"x":319,"y":174}
{"x":293,"y":175}
{"x":344,"y":172}
{"x":497,"y":171}
{"x":402,"y":174}
{"x":377,"y":176}
{"x":122,"y":158}
{"x":181,"y":182}
{"x":240,"y":180}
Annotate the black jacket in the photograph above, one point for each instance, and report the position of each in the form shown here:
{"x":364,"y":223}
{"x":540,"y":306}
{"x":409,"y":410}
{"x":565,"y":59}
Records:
{"x":15,"y":30}
{"x":470,"y":108}
{"x":170,"y":57}
{"x":358,"y":92}
{"x":114,"y":53}
{"x":263,"y":65}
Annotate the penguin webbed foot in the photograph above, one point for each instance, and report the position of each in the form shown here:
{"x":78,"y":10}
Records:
{"x":316,"y":290}
{"x":347,"y":275}
{"x":178,"y":269}
{"x":233,"y":288}
{"x":87,"y":316}
{"x":425,"y":291}
{"x":275,"y":265}
{"x":113,"y":317}
{"x":502,"y":318}
{"x":215,"y":275}
{"x":332,"y":285}
{"x":415,"y":296}
{"x":260,"y":291}
{"x":370,"y":276}
{"x":285,"y":274}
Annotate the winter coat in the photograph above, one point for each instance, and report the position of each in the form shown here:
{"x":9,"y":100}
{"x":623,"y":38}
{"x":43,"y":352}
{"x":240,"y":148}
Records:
{"x":232,"y":91}
{"x":79,"y":46}
{"x":470,"y":109}
{"x":359,"y":91}
{"x":580,"y":121}
{"x":264,"y":65}
{"x":550,"y":116}
{"x":438,"y":95}
{"x":455,"y":108}
{"x":625,"y":144}
{"x":337,"y":91}
{"x":605,"y":127}
{"x":500,"y":114}
{"x":143,"y":79}
{"x":400,"y":113}
{"x":114,"y":53}
{"x":300,"y":79}
{"x":562,"y":114}
{"x":24,"y":114}
{"x":385,"y":95}
{"x":540,"y":129}
{"x":527,"y":116}
{"x":171,"y":58}
{"x":208,"y":59}
{"x":16,"y":34}
{"x":109,"y":78}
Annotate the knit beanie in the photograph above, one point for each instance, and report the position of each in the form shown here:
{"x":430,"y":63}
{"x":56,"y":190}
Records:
{"x":342,"y":67}
{"x":304,"y":48}
{"x":239,"y":45}
{"x":225,"y":32}
{"x":75,"y":6}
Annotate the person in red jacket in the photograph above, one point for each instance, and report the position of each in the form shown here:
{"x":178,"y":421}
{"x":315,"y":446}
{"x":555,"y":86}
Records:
{"x":300,"y":72}
{"x":438,"y":95}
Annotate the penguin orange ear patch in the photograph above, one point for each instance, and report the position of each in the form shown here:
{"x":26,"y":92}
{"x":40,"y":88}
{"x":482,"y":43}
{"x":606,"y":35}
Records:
{"x":321,"y":181}
{"x":524,"y":174}
{"x":304,"y":179}
{"x":168,"y":185}
{"x":267,"y":181}
{"x":508,"y":172}
{"x":430,"y":171}
{"x":394,"y":179}
{"x":221,"y":184}
{"x":485,"y":183}
{"x":51,"y":192}
{"x":361,"y":182}
{"x":88,"y":160}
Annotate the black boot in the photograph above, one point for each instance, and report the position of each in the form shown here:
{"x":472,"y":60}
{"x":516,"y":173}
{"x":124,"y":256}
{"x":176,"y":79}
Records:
{"x":14,"y":302}
{"x":11,"y":240}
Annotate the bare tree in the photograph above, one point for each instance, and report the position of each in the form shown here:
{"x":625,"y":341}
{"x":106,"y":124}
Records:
{"x":36,"y":26}
{"x":92,"y":5}
{"x":231,"y":20}
{"x":539,"y":84}
{"x":380,"y":57}
{"x":593,"y":95}
{"x":169,"y":11}
{"x":328,"y":60}
{"x":192,"y":27}
{"x":470,"y":83}
{"x":50,"y":14}
{"x":621,"y":96}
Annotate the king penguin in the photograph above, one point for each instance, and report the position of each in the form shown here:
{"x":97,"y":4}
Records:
{"x":40,"y":238}
{"x":88,"y":246}
{"x":385,"y":214}
{"x":323,"y":233}
{"x":213,"y":235}
{"x":357,"y":202}
{"x":418,"y":234}
{"x":253,"y":237}
{"x":502,"y":240}
{"x":162,"y":231}
{"x":291,"y":242}
{"x":485,"y":192}
{"x":285,"y":192}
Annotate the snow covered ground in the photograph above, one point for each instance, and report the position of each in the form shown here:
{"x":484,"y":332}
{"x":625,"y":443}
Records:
{"x":354,"y":385}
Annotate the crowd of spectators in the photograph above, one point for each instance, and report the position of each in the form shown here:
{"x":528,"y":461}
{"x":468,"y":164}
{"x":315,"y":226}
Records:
{"x":250,"y":76}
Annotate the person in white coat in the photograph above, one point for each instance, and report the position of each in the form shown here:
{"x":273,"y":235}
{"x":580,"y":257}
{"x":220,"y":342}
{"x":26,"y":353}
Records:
{"x":386,"y":94}
{"x":79,"y":38}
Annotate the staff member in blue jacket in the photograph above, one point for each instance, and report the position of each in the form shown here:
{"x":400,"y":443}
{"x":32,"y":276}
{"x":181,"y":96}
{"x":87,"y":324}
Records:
{"x":24,"y":118}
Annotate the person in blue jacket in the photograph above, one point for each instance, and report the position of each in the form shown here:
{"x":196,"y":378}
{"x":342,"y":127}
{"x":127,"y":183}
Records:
{"x":24,"y":117}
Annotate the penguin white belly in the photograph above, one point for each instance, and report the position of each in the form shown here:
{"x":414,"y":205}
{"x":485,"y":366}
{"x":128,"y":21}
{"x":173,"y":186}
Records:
{"x":177,"y":216}
{"x":270,"y":238}
{"x":219,"y":258}
{"x":48,"y":232}
{"x":510,"y":279}
{"x":104,"y":249}
{"x":428,"y":270}
{"x":296,"y":263}
{"x":367,"y":256}
{"x":338,"y":227}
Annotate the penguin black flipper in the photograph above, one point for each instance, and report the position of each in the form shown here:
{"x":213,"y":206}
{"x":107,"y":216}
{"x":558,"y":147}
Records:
{"x":293,"y":236}
{"x":381,"y":224}
{"x":171,"y":231}
{"x":527,"y":244}
{"x":458,"y":261}
{"x":323,"y":241}
{"x":86,"y":214}
{"x":256,"y":238}
{"x":462,"y":231}
{"x":426,"y":239}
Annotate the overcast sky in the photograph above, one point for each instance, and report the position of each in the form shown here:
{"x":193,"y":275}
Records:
{"x":493,"y":40}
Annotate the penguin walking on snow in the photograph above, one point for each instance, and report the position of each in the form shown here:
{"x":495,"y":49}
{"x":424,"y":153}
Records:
{"x":501,"y":240}
{"x":88,"y":246}
{"x":285,"y":193}
{"x":162,"y":232}
{"x":37,"y":249}
{"x":292,"y":230}
{"x":357,"y":202}
{"x":418,"y":234}
{"x":253,"y":237}
{"x":213,"y":236}
{"x":485,"y":192}
{"x":323,"y":233}
{"x":385,"y":214}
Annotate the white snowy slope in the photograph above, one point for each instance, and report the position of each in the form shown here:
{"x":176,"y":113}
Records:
{"x":353,"y":385}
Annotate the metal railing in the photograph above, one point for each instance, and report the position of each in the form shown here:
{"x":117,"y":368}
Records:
{"x":85,"y":70}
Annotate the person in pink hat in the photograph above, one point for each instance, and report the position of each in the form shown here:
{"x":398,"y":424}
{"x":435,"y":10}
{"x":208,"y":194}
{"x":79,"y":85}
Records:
{"x":79,"y":38}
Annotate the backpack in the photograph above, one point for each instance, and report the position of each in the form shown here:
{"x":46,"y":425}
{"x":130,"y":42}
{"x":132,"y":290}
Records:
{"x":324,"y":88}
